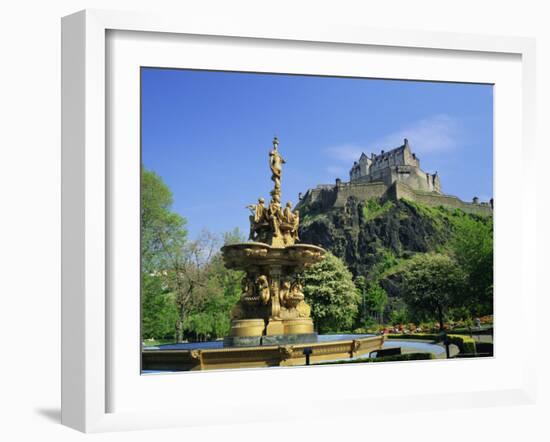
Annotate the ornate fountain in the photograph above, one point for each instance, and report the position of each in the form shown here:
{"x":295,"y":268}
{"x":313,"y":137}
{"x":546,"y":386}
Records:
{"x":272,"y":309}
{"x":270,"y":324}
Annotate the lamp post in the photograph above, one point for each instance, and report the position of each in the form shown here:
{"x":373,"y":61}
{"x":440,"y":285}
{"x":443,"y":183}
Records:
{"x":446,"y":342}
{"x":307,"y":353}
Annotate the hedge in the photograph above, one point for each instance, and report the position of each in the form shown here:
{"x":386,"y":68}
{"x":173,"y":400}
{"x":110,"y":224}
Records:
{"x":473,"y":331}
{"x":464,"y":343}
{"x":402,"y":357}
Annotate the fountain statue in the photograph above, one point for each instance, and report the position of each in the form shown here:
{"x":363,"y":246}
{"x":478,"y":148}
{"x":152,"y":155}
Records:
{"x":272,"y":309}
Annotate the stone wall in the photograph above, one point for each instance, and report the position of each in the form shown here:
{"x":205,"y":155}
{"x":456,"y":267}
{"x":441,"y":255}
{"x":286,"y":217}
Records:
{"x":327,"y":196}
{"x":321,"y":198}
{"x":361,"y":191}
{"x":400,"y":190}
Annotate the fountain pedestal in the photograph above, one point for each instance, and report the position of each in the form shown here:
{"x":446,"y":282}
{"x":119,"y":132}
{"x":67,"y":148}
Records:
{"x":272,"y":309}
{"x":274,"y":327}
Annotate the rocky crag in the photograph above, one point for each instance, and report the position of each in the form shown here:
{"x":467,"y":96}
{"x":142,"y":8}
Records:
{"x":375,"y":234}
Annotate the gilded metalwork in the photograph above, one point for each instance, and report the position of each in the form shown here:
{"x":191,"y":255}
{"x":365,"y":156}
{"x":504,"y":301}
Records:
{"x":272,"y":260}
{"x":274,"y":225}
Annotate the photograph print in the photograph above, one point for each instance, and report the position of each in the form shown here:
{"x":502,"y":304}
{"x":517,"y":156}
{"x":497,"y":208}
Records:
{"x":302,"y":220}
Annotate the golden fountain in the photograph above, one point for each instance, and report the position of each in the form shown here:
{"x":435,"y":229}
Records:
{"x":272,"y":309}
{"x":271,"y":323}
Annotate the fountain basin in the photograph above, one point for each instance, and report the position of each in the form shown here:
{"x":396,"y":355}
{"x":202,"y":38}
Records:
{"x":244,"y":256}
{"x":213,"y":356}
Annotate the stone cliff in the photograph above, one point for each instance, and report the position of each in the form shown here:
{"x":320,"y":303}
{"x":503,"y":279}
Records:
{"x":373,"y":233}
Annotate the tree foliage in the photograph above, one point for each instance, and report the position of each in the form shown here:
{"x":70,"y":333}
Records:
{"x":210,"y":317}
{"x":374,"y":298}
{"x":472,"y":247}
{"x":330,"y":291}
{"x":159,"y":314}
{"x":431,"y":284}
{"x":163,"y":232}
{"x":163,"y":235}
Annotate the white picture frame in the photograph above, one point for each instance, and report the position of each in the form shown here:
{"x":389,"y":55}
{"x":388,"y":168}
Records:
{"x":87,"y":210}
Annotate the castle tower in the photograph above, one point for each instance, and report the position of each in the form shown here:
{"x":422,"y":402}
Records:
{"x":398,"y":164}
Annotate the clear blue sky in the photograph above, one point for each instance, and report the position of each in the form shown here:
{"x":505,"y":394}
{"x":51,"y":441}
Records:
{"x":208,"y":134}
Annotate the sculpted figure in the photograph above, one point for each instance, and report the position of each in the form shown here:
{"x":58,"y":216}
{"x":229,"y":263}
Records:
{"x":276,"y":162}
{"x":296,"y":290}
{"x":296,"y":225}
{"x":275,"y":215}
{"x":262,"y":285}
{"x":292,"y":218}
{"x":258,"y":215}
{"x":288,"y":216}
{"x":284,"y":291}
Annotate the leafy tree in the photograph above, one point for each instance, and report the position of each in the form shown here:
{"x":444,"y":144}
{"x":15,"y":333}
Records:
{"x":163,"y":236}
{"x":374,"y":298}
{"x":332,"y":295}
{"x":399,"y":315}
{"x":431,"y":284}
{"x":163,"y":232}
{"x":210,"y":318}
{"x":188,"y":274}
{"x":234,"y":236}
{"x":159,"y":314}
{"x":183,"y":265}
{"x":472,"y":246}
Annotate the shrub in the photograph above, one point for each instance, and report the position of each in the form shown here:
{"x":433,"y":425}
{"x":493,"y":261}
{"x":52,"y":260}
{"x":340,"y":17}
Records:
{"x":464,"y":343}
{"x":374,"y":209}
{"x":330,"y":291}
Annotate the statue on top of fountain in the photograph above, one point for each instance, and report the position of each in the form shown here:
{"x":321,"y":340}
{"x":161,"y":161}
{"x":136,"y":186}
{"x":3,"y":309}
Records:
{"x":274,"y":225}
{"x":276,"y":162}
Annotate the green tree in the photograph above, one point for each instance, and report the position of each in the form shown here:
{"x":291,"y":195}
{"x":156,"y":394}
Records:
{"x":431,"y":284}
{"x":332,"y":295}
{"x":163,"y":232}
{"x":210,"y":318}
{"x":188,"y":276}
{"x":374,"y":298}
{"x":159,"y":314}
{"x":233,"y":237}
{"x":163,"y":236}
{"x":472,"y":246}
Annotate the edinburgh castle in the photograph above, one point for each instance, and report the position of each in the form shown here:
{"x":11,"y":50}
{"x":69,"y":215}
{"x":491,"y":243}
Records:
{"x":391,"y":175}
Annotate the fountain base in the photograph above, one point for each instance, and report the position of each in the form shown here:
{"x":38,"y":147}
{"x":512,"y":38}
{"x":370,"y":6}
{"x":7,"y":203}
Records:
{"x":301,"y":338}
{"x":252,"y":341}
{"x":255,"y":332}
{"x":214,"y":355}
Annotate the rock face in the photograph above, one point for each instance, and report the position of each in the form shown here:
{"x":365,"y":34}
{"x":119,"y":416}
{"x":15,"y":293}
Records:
{"x":365,"y":233}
